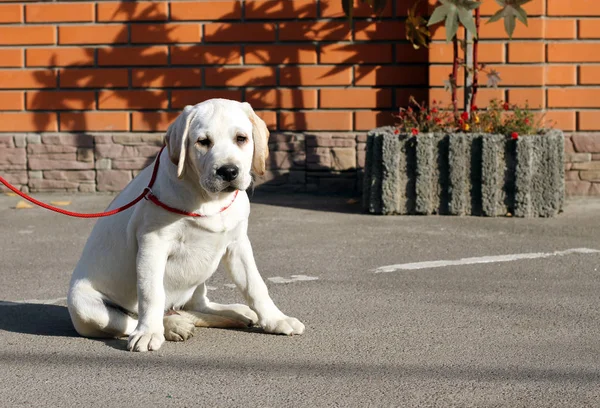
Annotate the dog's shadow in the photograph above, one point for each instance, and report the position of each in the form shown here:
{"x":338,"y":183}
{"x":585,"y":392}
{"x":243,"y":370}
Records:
{"x":37,"y":319}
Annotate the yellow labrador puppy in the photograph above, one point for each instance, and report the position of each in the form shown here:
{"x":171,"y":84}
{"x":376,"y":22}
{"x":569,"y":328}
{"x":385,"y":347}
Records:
{"x":142,"y":272}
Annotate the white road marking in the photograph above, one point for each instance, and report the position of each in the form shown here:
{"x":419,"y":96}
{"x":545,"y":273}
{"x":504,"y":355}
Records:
{"x":294,"y":278}
{"x":482,"y":260}
{"x":33,"y":301}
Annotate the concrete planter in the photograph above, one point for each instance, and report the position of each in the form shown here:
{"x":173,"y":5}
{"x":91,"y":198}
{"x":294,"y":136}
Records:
{"x":464,"y":174}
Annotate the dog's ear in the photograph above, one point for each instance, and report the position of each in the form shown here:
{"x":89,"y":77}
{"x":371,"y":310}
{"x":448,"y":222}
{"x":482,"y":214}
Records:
{"x":176,"y":138}
{"x":260,"y":137}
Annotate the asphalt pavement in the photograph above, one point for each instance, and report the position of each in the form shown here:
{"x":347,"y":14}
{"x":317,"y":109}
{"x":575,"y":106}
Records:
{"x":399,"y":312}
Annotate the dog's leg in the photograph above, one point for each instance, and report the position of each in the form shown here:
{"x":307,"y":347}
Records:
{"x":150,"y":267}
{"x":241,"y":315}
{"x":93,"y":316}
{"x":240,"y":263}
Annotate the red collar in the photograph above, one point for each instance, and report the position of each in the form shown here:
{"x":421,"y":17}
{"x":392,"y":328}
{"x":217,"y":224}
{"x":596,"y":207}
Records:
{"x":150,"y":196}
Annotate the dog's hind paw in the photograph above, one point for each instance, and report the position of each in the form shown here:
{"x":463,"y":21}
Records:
{"x":178,"y":328}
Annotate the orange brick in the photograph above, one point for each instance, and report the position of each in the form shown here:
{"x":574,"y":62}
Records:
{"x":152,"y":121}
{"x":61,"y":100}
{"x":333,"y":9}
{"x":133,"y":100}
{"x":440,"y":73}
{"x":560,"y":28}
{"x":534,"y":30}
{"x":27,"y":35}
{"x":589,"y":74}
{"x":315,"y":76}
{"x":59,"y":57}
{"x":165,"y":33}
{"x":314,"y":31}
{"x":239,"y":32}
{"x":94,"y":78}
{"x":406,"y":53}
{"x":206,"y":55}
{"x":282,"y":98}
{"x":11,"y":13}
{"x":564,"y":120}
{"x":132,"y":11}
{"x":182,"y":98}
{"x":225,"y":76}
{"x":520,"y":74}
{"x":269,"y":117}
{"x":28,"y":122}
{"x":533,"y":97}
{"x":30,"y":79}
{"x":533,"y":8}
{"x":526,"y":52}
{"x":281,"y":54}
{"x":59,"y":12}
{"x":355,"y":98}
{"x":423,"y":8}
{"x":367,"y":120}
{"x":369,"y":75}
{"x":561,"y":75}
{"x":315,"y":120}
{"x":484,"y":96}
{"x":356,"y":53}
{"x":379,"y":30}
{"x":94,"y":121}
{"x":574,"y":98}
{"x":589,"y":28}
{"x":126,"y":56}
{"x":166,"y":77}
{"x":11,"y":57}
{"x":490,"y":52}
{"x":12,"y":101}
{"x":96,"y":34}
{"x":276,"y":9}
{"x":589,"y":120}
{"x":574,"y":52}
{"x":441,"y":52}
{"x":206,"y":10}
{"x":583,"y":8}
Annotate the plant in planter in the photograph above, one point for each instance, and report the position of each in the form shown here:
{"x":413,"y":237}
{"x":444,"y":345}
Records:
{"x":437,"y":160}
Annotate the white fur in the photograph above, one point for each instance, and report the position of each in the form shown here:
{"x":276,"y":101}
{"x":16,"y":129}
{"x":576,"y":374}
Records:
{"x":140,"y":263}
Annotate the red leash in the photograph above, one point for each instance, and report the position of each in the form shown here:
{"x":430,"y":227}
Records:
{"x":147,"y":193}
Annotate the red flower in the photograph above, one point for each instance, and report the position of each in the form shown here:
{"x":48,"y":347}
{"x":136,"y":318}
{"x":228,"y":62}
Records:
{"x":506,"y":106}
{"x":464,"y":116}
{"x":428,"y":117}
{"x":526,"y":121}
{"x":414,"y":131}
{"x":434,"y":110}
{"x":514,"y":136}
{"x":460,"y":122}
{"x":438,"y":120}
{"x":396,"y":131}
{"x":473,"y":108}
{"x":434,"y":101}
{"x":409,"y":110}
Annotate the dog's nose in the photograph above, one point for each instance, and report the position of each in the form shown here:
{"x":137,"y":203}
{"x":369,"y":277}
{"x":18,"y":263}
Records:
{"x":228,"y":172}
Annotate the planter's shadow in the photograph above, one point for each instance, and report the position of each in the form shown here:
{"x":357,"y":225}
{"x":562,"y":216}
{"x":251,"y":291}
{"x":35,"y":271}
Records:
{"x":38,"y":319}
{"x":307,"y":201}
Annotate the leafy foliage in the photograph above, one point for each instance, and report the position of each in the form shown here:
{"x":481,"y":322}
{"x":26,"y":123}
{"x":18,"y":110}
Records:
{"x":511,"y":11}
{"x":416,"y":28}
{"x":455,"y":12}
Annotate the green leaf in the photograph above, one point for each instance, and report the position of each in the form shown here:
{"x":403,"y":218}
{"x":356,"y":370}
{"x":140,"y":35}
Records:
{"x":472,"y":5}
{"x":521,"y":14}
{"x":451,"y":23}
{"x":438,"y":15}
{"x":497,"y":16}
{"x":509,"y":25}
{"x":466,"y":19}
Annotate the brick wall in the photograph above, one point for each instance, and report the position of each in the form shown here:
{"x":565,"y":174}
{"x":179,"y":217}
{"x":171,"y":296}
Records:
{"x":97,"y":69}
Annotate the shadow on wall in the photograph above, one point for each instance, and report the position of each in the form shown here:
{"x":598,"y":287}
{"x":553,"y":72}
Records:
{"x":142,"y":86}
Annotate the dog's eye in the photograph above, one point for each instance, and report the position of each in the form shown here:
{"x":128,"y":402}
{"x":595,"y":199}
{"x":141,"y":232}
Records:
{"x":204,"y":142}
{"x":241,"y":139}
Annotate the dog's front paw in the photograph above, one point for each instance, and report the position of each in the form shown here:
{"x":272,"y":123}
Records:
{"x":145,"y":340}
{"x":282,"y":325}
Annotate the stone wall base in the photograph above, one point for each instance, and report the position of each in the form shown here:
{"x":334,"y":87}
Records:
{"x":316,"y":162}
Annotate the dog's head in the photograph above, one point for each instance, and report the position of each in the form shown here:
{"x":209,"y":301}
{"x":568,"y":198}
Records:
{"x":220,"y":142}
